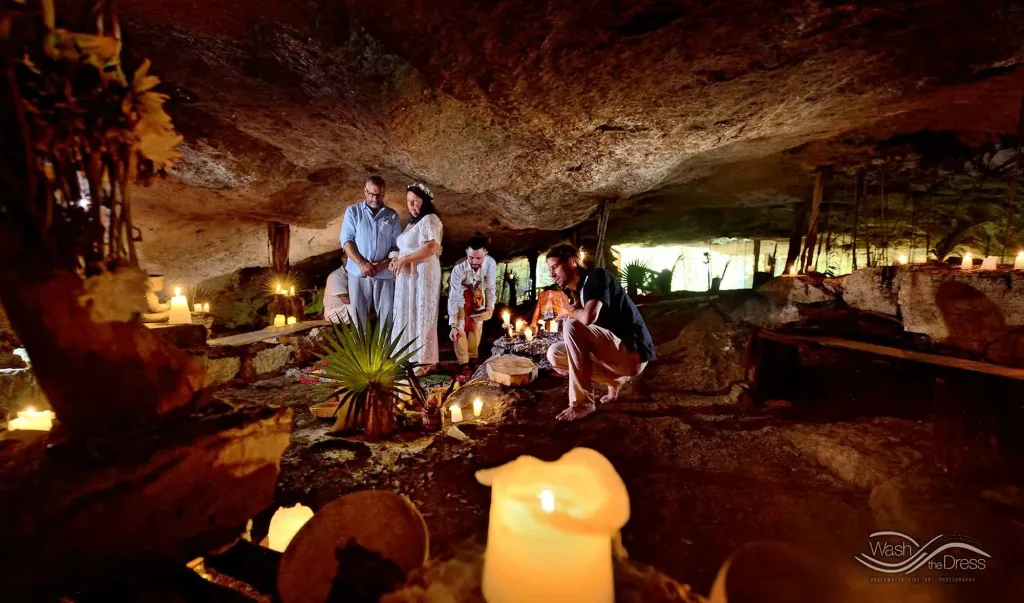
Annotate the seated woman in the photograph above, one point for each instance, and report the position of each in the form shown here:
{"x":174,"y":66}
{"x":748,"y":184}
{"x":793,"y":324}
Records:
{"x":417,"y":271}
{"x":336,"y":300}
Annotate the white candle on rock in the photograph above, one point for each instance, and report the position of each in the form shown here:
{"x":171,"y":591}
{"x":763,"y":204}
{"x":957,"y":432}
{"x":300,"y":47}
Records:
{"x":31,"y":419}
{"x":206,"y":307}
{"x":285,"y":524}
{"x":478,"y":407}
{"x":506,"y":316}
{"x":519,"y":325}
{"x":197,"y":307}
{"x":279,"y":320}
{"x":528,"y":333}
{"x":292,"y":320}
{"x":1018,"y":264}
{"x":456,"y":413}
{"x":990,"y":263}
{"x":549,"y":537}
{"x":553,"y":328}
{"x":179,"y":309}
{"x":968,"y":262}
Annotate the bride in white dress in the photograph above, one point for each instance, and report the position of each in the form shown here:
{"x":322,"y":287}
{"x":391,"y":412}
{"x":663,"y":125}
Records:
{"x":417,"y":271}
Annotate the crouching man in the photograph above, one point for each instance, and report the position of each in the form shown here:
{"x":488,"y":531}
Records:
{"x":604,"y":339}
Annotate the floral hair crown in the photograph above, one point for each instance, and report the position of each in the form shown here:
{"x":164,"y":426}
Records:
{"x":421,"y":191}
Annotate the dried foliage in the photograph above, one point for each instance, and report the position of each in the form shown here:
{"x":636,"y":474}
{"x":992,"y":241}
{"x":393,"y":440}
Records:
{"x":91,"y":132}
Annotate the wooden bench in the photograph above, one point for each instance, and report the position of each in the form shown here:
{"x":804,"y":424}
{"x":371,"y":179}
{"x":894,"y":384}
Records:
{"x":950,"y":394}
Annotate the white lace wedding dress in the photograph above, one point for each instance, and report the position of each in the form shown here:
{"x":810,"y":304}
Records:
{"x":418,"y":292}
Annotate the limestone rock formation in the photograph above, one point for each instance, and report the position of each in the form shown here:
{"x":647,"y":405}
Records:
{"x":699,"y":120}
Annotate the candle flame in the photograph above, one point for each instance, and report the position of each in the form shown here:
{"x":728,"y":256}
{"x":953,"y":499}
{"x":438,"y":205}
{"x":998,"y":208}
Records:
{"x":177,"y":291}
{"x":547,"y":500}
{"x":1020,"y":255}
{"x":30,"y":409}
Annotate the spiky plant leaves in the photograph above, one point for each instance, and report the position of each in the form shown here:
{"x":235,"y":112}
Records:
{"x":367,"y":365}
{"x":635,"y":276}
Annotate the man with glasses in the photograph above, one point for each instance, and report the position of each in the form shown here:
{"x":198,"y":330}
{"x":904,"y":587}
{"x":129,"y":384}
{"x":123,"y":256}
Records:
{"x":369,"y":234}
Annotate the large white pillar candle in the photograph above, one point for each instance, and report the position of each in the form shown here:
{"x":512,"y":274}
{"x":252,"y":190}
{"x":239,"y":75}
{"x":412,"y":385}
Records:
{"x":549,"y":537}
{"x":180,"y":314}
{"x":1018,"y":264}
{"x":31,"y":419}
{"x":285,"y":524}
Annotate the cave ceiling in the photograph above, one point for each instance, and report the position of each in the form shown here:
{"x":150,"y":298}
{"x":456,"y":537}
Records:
{"x":700,"y":119}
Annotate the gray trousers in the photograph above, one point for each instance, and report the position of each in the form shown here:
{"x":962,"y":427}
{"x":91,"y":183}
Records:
{"x":366,"y":293}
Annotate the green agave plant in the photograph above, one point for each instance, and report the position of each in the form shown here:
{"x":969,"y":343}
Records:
{"x":370,"y":371}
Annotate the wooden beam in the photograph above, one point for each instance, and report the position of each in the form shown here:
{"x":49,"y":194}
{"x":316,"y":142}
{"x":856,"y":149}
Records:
{"x":799,"y":220}
{"x":279,"y":241}
{"x":602,"y":230}
{"x":812,"y":229}
{"x":757,"y":256}
{"x":858,"y":185}
{"x":900,"y":354}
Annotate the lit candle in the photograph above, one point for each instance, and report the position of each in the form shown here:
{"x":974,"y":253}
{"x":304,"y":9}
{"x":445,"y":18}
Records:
{"x":291,"y":291}
{"x":179,"y":309}
{"x":506,"y":316}
{"x":1018,"y":264}
{"x":279,"y":320}
{"x":990,"y":263}
{"x":456,"y":413}
{"x":549,"y":536}
{"x":31,"y":419}
{"x":528,"y":333}
{"x":903,"y":260}
{"x":277,"y":288}
{"x":519,"y":325}
{"x":553,"y":327}
{"x":478,"y":407}
{"x":206,"y":307}
{"x":291,"y":320}
{"x":792,"y":270}
{"x":511,"y":333}
{"x":197,"y":307}
{"x":968,"y":261}
{"x":285,"y":524}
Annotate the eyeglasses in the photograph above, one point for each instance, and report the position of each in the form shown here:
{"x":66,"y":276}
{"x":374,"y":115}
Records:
{"x":372,"y":195}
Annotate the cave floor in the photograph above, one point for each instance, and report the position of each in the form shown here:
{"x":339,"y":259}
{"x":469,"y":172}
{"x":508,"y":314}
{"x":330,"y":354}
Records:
{"x":705,"y":475}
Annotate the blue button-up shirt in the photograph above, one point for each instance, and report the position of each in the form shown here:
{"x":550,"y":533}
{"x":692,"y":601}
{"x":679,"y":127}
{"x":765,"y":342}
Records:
{"x":374,"y":235}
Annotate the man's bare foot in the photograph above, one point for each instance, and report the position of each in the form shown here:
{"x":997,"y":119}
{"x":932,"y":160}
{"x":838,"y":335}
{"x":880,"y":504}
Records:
{"x":424,"y":370}
{"x":575,"y":412}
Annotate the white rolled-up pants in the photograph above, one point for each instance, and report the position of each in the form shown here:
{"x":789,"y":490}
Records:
{"x":591,"y":353}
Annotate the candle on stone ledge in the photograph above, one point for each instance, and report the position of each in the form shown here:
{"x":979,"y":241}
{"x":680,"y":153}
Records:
{"x":792,"y":270}
{"x":277,"y":288}
{"x":553,"y":327}
{"x":478,"y":407}
{"x":549,"y":536}
{"x":291,"y":320}
{"x":206,"y":307}
{"x":285,"y":523}
{"x":197,"y":307}
{"x":990,"y":263}
{"x":903,"y":260}
{"x":506,"y":317}
{"x":31,"y":419}
{"x":279,"y":320}
{"x":1018,"y":264}
{"x":528,"y":333}
{"x":456,"y":413}
{"x":179,"y":309}
{"x":519,"y":325}
{"x":968,"y":261}
{"x":291,"y":291}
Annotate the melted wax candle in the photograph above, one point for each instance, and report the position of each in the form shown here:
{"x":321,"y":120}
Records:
{"x":285,"y":524}
{"x":506,"y":317}
{"x":279,"y":320}
{"x":549,"y":536}
{"x":31,"y":419}
{"x":990,"y":263}
{"x":519,"y":325}
{"x":528,"y":334}
{"x":180,"y":314}
{"x":456,"y":413}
